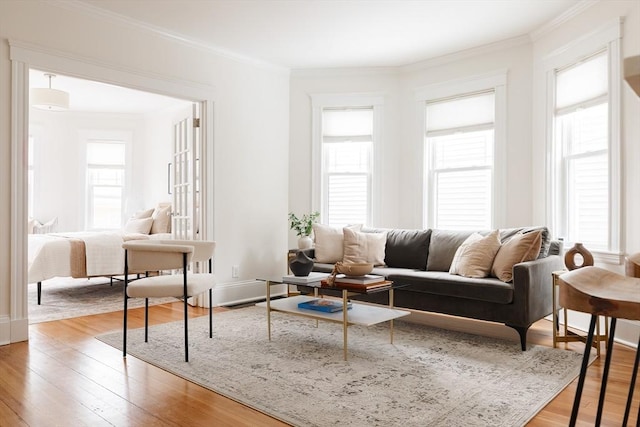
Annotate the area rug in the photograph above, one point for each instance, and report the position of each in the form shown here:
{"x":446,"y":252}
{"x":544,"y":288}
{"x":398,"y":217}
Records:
{"x":65,"y":298}
{"x":427,"y":377}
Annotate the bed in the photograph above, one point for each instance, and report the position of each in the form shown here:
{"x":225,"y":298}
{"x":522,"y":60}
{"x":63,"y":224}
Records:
{"x":78,"y":255}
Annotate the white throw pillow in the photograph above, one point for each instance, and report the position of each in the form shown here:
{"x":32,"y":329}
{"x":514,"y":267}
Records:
{"x":475,"y":256}
{"x":138,"y":226}
{"x":364,"y":247}
{"x":161,"y":220}
{"x":143,"y":214}
{"x":329,"y":242}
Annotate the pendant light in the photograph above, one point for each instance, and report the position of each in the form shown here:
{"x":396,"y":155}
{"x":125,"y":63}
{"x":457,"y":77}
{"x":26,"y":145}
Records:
{"x":48,"y":98}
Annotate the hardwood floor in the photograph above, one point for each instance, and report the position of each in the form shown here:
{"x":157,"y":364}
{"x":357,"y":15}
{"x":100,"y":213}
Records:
{"x":63,"y":376}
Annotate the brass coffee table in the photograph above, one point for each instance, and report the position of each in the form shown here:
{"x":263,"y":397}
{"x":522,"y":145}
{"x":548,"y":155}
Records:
{"x":358,"y":314}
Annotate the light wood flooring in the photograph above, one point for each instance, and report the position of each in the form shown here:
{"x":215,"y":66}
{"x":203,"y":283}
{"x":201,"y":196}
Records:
{"x":64,"y":377}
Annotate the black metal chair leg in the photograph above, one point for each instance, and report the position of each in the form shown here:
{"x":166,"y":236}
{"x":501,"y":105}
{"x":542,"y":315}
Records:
{"x":583,"y":371}
{"x":146,"y":320}
{"x":39,"y":292}
{"x":124,"y":291}
{"x":186,"y":313}
{"x":605,"y":373}
{"x":210,"y":313}
{"x":634,"y":374}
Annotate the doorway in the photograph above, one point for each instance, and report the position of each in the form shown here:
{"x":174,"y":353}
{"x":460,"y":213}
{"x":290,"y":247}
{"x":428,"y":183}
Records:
{"x":23,"y":59}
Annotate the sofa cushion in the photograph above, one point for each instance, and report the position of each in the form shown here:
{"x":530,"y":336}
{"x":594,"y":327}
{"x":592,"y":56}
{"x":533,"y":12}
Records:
{"x":363,"y":247}
{"x":520,"y":248}
{"x":442,"y":248}
{"x":442,"y":283}
{"x":329,"y":242}
{"x":407,"y":249}
{"x":474,"y":257}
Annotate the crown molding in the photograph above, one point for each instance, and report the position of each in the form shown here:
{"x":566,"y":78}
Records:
{"x":561,"y":19}
{"x":344,"y":72}
{"x":116,"y":18}
{"x":466,"y":53}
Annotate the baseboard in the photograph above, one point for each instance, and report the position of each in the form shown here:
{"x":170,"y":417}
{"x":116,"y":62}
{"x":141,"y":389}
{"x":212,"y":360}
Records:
{"x":234,"y":293}
{"x":13,"y":331}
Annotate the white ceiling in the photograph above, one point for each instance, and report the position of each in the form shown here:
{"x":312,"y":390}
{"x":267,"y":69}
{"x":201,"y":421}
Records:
{"x":338,"y":33}
{"x":298,"y":34}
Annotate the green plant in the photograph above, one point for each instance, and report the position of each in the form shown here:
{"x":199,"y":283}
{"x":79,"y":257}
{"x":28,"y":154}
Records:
{"x":303,"y":225}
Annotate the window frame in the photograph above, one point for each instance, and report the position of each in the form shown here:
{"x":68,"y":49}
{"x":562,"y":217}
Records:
{"x":320,"y":102}
{"x":86,"y":137}
{"x":495,"y":81}
{"x":607,"y":38}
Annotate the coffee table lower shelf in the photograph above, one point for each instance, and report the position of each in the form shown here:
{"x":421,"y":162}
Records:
{"x":358,"y":314}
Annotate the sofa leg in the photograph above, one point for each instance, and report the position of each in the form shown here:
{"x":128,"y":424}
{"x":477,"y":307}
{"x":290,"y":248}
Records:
{"x":522,"y":331}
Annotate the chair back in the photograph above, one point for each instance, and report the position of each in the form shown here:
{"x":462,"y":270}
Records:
{"x":145,"y":256}
{"x":202,"y":249}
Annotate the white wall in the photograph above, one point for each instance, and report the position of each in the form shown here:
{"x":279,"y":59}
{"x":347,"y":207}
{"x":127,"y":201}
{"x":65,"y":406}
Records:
{"x":250,"y":130}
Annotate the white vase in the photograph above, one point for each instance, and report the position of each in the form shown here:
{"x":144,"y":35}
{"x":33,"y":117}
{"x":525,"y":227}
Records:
{"x":305,"y":242}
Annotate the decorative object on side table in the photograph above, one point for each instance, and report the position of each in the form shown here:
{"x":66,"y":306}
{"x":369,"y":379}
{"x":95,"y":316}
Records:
{"x":303,"y":227}
{"x":301,"y":265}
{"x":570,"y":257}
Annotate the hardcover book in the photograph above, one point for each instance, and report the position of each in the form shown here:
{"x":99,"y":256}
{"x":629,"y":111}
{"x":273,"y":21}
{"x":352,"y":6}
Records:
{"x":323,"y":304}
{"x":305,"y":280}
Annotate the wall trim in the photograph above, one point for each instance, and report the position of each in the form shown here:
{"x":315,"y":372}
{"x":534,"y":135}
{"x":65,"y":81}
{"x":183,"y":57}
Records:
{"x":234,"y":293}
{"x":115,"y":18}
{"x":25,"y":55}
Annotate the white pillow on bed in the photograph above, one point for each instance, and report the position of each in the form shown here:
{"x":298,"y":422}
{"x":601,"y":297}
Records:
{"x":138,"y":226}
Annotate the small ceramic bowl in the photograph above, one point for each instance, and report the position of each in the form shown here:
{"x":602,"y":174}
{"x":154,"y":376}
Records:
{"x":354,"y":269}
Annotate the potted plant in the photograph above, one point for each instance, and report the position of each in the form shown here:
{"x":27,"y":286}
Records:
{"x":303,"y":227}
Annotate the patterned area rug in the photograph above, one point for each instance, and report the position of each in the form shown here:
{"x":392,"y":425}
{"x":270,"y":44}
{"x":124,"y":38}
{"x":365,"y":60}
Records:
{"x":428,"y":377}
{"x":64,"y":298}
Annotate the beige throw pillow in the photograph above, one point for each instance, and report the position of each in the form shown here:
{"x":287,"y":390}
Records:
{"x":520,"y":248}
{"x":138,"y":226}
{"x":474,"y":257}
{"x":364,"y":247}
{"x":143,"y":214}
{"x":329,"y":242}
{"x":161,"y":220}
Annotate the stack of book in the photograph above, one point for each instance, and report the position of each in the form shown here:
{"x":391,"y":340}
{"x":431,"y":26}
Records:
{"x":360,"y":283}
{"x":313,"y":279}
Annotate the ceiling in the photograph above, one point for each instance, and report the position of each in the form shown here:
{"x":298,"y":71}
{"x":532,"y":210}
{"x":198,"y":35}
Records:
{"x":302,"y":34}
{"x":338,"y":33}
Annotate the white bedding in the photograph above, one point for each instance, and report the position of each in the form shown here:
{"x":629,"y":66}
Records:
{"x":50,"y":254}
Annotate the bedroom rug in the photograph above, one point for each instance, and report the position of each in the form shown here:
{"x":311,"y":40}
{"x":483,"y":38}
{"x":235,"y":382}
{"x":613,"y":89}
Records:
{"x":65,"y":297}
{"x":428,"y":377}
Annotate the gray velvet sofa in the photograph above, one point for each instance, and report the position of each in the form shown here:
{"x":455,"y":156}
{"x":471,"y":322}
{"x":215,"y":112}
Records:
{"x":420,"y":260}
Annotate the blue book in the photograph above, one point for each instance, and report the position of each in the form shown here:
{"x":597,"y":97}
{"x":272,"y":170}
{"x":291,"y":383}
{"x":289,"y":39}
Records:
{"x":323,"y":304}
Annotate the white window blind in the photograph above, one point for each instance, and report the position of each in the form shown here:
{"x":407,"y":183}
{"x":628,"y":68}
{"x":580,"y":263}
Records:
{"x":581,"y":136}
{"x":347,"y":146}
{"x":105,"y":184}
{"x":460,"y":150}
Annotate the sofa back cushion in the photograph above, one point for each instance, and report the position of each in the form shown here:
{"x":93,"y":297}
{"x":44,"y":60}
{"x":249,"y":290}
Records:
{"x":405,"y":248}
{"x":507,"y":233}
{"x":443,"y":246}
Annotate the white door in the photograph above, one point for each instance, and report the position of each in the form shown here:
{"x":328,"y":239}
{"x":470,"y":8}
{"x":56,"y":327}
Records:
{"x":187,"y":149}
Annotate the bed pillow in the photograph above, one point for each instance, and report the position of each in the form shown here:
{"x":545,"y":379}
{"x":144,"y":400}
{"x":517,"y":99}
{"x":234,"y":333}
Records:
{"x":48,"y":227}
{"x":520,"y":248}
{"x":474,"y":257}
{"x":138,"y":226}
{"x":161,"y":220}
{"x":364,"y":247}
{"x":143,"y":214}
{"x":329,"y":242}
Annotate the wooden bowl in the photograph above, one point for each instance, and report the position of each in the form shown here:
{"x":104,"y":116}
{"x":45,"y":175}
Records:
{"x":354,"y":269}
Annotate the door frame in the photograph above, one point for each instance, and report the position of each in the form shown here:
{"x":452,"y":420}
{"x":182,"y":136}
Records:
{"x":24,"y":56}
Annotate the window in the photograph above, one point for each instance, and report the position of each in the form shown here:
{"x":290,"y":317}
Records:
{"x":459,"y":146}
{"x":347,"y":152}
{"x":584,"y":145}
{"x":105,"y":184}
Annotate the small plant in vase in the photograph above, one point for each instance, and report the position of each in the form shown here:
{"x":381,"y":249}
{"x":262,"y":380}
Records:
{"x":303,"y":227}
